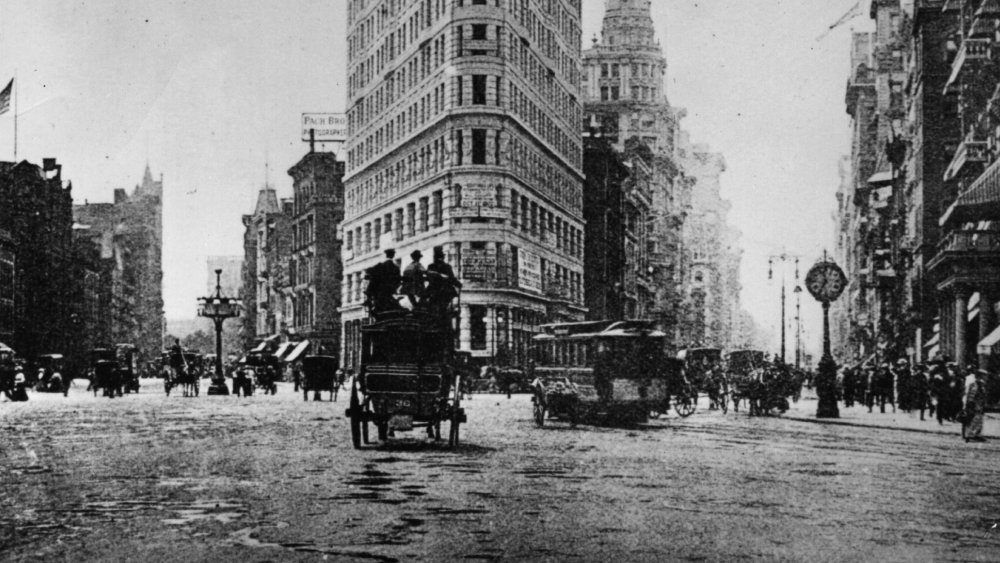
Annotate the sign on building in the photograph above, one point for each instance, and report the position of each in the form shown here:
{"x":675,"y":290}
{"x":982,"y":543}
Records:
{"x":529,"y":271}
{"x":325,"y":127}
{"x":479,"y":264}
{"x":480,"y":201}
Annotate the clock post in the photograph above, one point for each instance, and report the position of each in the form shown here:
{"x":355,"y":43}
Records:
{"x":826,"y":282}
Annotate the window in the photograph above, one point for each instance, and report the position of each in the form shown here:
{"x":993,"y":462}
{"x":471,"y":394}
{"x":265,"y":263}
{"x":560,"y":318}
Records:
{"x":411,"y":219}
{"x":615,"y":71}
{"x":459,"y":148}
{"x":479,"y":31}
{"x":437,"y":206}
{"x":604,"y":71}
{"x":458,"y":90}
{"x":477,"y":327}
{"x":614,"y":92}
{"x":478,"y":146}
{"x":422,"y":215}
{"x":479,"y":90}
{"x":604,"y":93}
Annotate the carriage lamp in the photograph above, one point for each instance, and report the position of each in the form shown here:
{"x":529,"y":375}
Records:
{"x":218,"y":308}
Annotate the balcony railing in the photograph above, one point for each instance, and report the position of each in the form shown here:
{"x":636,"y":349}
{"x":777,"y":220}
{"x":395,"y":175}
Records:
{"x":959,"y":245}
{"x":968,"y":152}
{"x":973,"y":49}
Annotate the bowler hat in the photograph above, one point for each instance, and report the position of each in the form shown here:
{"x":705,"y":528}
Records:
{"x":416,"y":255}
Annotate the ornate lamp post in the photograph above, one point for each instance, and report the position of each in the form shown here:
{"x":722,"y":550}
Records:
{"x":218,"y":308}
{"x":826,"y":281}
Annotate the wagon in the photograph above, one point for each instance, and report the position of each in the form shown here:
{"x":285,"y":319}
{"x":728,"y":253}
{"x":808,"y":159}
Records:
{"x":319,"y":374}
{"x":406,"y":379}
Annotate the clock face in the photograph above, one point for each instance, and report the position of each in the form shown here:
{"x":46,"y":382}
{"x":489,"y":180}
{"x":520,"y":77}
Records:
{"x":825,"y":281}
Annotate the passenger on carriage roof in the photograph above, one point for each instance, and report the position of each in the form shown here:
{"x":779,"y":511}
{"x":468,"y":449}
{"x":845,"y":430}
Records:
{"x":413,"y":278}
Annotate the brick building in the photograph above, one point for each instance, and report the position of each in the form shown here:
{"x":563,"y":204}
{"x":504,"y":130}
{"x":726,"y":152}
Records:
{"x":315,"y":269}
{"x":36,"y":257}
{"x":464,"y":133}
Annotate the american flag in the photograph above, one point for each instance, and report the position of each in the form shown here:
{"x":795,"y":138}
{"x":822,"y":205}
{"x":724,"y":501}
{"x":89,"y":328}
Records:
{"x":5,"y":97}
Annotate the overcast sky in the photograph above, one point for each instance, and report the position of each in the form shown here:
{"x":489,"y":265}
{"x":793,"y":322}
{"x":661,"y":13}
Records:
{"x":209,"y":91}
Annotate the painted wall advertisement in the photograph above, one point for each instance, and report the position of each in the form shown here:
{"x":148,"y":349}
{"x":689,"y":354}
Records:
{"x":479,"y":201}
{"x":479,"y":264}
{"x":327,"y":127}
{"x":529,"y":271}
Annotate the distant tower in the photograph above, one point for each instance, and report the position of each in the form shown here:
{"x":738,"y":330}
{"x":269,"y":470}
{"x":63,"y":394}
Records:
{"x":144,"y":218}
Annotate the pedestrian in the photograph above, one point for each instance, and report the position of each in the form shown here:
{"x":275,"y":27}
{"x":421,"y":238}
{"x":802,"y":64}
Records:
{"x":919,"y":387}
{"x":850,"y":384}
{"x":296,"y":376}
{"x":975,"y":404}
{"x":869,"y":386}
{"x":938,"y":386}
{"x":884,"y":391}
{"x":413,"y":279}
{"x":902,"y":376}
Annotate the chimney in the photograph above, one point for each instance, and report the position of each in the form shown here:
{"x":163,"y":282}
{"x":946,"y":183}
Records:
{"x":49,"y":165}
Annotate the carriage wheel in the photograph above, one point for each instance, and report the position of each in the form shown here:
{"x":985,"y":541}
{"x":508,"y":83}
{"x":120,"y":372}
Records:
{"x":539,"y":411}
{"x":686,"y":402}
{"x":355,"y":412}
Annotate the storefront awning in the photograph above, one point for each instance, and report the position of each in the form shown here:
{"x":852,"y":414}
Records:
{"x":295,"y":354}
{"x":980,"y":202}
{"x":987,"y":344}
{"x":284,"y":349}
{"x":933,"y":341}
{"x":880,"y":179}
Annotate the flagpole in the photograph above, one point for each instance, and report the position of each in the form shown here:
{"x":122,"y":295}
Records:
{"x":16,"y":86}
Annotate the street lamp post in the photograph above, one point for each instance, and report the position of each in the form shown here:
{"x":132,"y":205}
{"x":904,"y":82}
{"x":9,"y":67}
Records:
{"x":783,"y":257}
{"x":218,"y":308}
{"x":798,"y":326}
{"x":826,"y":281}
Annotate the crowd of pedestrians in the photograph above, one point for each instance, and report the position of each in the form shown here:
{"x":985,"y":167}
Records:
{"x":937,"y":389}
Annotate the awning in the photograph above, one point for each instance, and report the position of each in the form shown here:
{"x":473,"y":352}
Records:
{"x":986,"y":345}
{"x":879,"y":179}
{"x":981,"y":202}
{"x":284,"y":349}
{"x":300,"y":349}
{"x":933,"y":341}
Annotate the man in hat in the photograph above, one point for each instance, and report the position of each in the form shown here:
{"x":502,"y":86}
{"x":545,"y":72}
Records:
{"x":413,"y":278}
{"x":442,"y":285}
{"x":383,"y":280}
{"x":902,"y":373}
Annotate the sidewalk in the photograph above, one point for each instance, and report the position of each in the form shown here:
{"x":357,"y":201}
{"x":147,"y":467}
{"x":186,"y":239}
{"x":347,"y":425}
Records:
{"x":805,"y":411}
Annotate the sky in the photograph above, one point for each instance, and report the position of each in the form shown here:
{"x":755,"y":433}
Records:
{"x":210,"y":94}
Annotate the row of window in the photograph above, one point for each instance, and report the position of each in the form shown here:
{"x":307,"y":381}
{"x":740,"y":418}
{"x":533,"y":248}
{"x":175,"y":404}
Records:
{"x":636,"y":70}
{"x":396,"y":177}
{"x":392,"y":131}
{"x":406,"y":221}
{"x":365,"y":33}
{"x":540,"y":120}
{"x":301,"y":309}
{"x":394,"y":88}
{"x":536,"y":220}
{"x":304,"y":231}
{"x":639,"y":93}
{"x":300,"y":271}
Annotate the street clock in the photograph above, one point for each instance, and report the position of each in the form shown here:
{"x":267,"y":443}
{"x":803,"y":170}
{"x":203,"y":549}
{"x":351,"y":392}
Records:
{"x":826,"y":281}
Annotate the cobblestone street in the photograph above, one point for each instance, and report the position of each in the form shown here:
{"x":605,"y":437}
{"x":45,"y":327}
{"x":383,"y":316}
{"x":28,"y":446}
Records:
{"x":270,"y":478}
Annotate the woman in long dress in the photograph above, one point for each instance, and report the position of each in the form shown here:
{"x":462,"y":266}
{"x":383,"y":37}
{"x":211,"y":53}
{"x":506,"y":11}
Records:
{"x":975,"y":403}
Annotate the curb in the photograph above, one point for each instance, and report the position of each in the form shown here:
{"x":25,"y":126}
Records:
{"x":839,"y":422}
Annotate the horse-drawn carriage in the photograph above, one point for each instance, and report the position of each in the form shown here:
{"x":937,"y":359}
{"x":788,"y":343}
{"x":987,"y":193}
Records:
{"x":320,"y":373}
{"x":182,"y":368}
{"x":263,"y":372}
{"x":406,"y":378}
{"x":104,"y":374}
{"x":606,"y":372}
{"x":703,"y":368}
{"x":764,"y":386}
{"x":11,"y":372}
{"x":52,"y":376}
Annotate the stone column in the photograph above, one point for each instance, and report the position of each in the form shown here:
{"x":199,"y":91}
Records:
{"x":961,"y":325}
{"x":465,"y":329}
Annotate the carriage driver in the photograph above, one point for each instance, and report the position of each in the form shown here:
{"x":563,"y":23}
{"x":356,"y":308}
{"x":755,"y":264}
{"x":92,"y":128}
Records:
{"x":383,"y":280}
{"x":413,"y":278}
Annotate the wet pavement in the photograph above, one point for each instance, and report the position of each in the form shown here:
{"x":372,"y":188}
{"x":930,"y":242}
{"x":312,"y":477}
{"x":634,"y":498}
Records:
{"x":273,"y":478}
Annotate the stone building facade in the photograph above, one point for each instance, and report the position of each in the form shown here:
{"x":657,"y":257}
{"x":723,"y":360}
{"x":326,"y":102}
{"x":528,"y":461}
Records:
{"x":267,"y":246}
{"x":686,"y":263}
{"x":36,"y":257}
{"x":129,"y":236}
{"x":464,"y":133}
{"x":919,"y":221}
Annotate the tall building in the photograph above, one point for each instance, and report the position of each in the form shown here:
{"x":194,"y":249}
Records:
{"x":130,"y":231}
{"x":36,"y":253}
{"x":464,"y":133}
{"x":966,"y":264}
{"x":266,"y":254}
{"x":625,"y":102}
{"x":315,"y":269}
